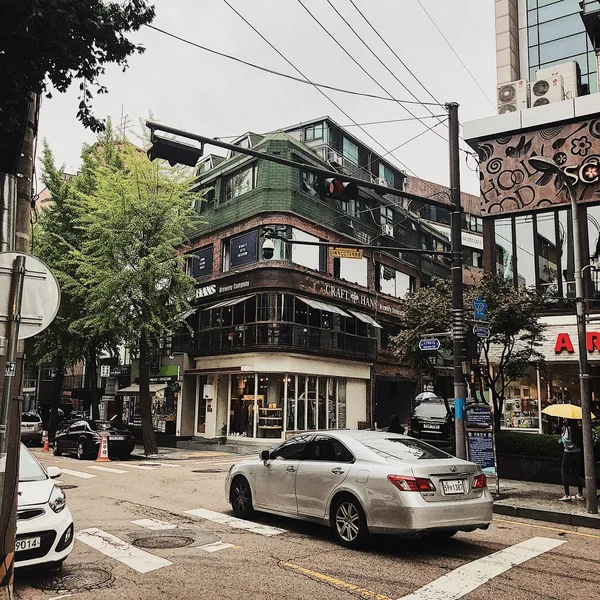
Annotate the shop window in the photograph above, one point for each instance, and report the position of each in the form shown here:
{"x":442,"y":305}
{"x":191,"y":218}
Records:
{"x":392,"y":282}
{"x":306,"y":255}
{"x":240,"y":182}
{"x":352,"y":270}
{"x":266,"y":306}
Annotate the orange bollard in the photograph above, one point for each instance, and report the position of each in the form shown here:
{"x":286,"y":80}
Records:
{"x":103,"y":449}
{"x":46,"y":447}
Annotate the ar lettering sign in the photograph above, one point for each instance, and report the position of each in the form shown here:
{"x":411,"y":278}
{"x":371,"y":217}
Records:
{"x":564,"y":344}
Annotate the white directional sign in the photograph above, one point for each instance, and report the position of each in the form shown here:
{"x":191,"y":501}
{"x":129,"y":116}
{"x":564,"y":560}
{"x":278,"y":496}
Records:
{"x":429,"y":344}
{"x":41,"y":295}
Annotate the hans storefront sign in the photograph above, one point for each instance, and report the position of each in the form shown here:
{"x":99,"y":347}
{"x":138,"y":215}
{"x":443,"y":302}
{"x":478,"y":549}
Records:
{"x":564,"y":343}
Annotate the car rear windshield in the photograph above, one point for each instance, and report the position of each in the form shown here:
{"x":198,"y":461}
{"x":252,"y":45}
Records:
{"x":30,"y":418}
{"x":29,"y":467}
{"x":106,"y":425}
{"x":404,"y":449}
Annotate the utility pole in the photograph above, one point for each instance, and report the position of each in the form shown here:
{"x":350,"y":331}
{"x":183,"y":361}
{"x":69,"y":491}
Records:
{"x":458,"y":312}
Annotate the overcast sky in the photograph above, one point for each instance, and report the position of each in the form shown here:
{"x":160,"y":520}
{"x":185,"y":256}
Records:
{"x":191,"y":89}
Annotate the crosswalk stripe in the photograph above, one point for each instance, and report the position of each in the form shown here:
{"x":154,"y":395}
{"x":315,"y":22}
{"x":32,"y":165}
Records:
{"x":107,"y":469}
{"x":110,"y":545}
{"x":141,"y":467}
{"x":154,"y":524}
{"x":215,"y":547}
{"x":79,"y":474}
{"x":469,"y":577}
{"x":216,"y":517}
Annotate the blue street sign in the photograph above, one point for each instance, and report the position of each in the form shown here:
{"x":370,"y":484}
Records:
{"x":429,"y":344}
{"x":482,"y":332}
{"x":480,"y":309}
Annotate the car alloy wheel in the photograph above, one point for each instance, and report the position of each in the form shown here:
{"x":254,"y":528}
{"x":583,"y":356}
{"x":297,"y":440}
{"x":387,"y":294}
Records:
{"x":81,"y":450}
{"x":350,"y":523}
{"x":241,"y":497}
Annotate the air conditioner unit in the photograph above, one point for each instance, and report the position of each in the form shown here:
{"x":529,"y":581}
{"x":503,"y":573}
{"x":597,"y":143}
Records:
{"x":513,"y":96}
{"x":387,"y":229}
{"x":381,"y":181}
{"x":571,"y":75}
{"x":547,"y":91}
{"x":335,"y":158}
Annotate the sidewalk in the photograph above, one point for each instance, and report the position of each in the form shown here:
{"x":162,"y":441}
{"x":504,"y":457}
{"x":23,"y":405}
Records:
{"x":539,"y":501}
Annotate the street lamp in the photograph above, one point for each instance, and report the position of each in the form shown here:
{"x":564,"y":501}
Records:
{"x":547,"y":165}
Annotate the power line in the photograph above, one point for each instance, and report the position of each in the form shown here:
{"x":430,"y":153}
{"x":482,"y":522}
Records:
{"x":455,"y":53}
{"x":280,"y":74}
{"x":317,"y":88}
{"x":355,"y":61}
{"x":416,"y":136}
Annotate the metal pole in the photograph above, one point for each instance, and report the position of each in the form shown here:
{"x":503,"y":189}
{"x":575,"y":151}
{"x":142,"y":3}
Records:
{"x":10,"y":423}
{"x":458,"y":313}
{"x":8,"y":211}
{"x":584,"y":373}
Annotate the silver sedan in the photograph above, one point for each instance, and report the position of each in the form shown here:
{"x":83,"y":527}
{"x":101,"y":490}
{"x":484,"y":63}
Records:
{"x":363,"y":482}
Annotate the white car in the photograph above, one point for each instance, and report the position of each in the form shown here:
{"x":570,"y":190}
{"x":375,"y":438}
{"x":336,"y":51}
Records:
{"x":44,"y":521}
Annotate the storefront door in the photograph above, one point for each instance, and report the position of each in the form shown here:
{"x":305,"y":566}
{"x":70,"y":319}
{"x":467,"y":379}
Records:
{"x":200,"y":413}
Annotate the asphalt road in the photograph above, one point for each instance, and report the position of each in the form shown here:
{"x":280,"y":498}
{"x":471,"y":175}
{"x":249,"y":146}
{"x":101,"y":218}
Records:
{"x":149,"y":506}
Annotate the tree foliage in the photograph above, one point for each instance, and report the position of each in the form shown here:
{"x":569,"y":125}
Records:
{"x":511,"y":349}
{"x":47,"y":43}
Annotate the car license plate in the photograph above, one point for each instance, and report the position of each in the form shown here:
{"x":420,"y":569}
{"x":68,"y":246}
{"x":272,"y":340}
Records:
{"x":431,"y":426}
{"x":116,"y":437}
{"x":27,"y":544}
{"x":453,"y":486}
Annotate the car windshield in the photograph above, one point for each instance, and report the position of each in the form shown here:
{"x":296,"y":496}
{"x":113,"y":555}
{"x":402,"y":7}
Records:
{"x":30,"y":418}
{"x":29,"y":468}
{"x":106,"y":425}
{"x":404,"y":449}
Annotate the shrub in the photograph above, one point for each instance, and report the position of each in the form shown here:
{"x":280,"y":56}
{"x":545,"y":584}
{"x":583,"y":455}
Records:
{"x":528,"y":444}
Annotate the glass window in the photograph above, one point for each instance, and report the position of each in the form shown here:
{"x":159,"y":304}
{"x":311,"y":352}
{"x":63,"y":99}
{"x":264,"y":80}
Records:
{"x":292,"y":449}
{"x":386,"y":174}
{"x":325,"y":448}
{"x":532,"y":17}
{"x":532,"y":35}
{"x":567,"y":257}
{"x":548,"y":254}
{"x":305,"y":255}
{"x":29,"y":468}
{"x":525,"y":251}
{"x":563,"y":48}
{"x":386,"y":215}
{"x":241,"y":412}
{"x":476,"y":224}
{"x":593,"y":227}
{"x":553,"y":30}
{"x":314,"y":132}
{"x":504,"y":248}
{"x":558,"y":9}
{"x":354,"y":270}
{"x":350,"y":150}
{"x":241,"y":182}
{"x":472,"y":258}
{"x":404,"y":449}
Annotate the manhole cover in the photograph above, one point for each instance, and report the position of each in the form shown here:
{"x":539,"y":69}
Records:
{"x":77,"y":579}
{"x":208,"y":471}
{"x":67,"y":486}
{"x":163,"y":541}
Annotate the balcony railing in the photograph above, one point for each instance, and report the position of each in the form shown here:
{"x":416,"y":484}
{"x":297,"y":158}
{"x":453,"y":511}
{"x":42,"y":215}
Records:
{"x":290,"y":336}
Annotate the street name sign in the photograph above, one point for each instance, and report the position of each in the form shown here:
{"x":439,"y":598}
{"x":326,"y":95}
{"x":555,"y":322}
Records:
{"x":482,"y":332}
{"x":346,"y":253}
{"x":429,"y":344}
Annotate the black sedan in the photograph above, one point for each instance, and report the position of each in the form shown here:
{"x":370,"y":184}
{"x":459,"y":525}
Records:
{"x":83,"y":438}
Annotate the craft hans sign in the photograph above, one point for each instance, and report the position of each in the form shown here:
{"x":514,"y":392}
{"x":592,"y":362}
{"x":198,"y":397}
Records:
{"x":361,"y":300}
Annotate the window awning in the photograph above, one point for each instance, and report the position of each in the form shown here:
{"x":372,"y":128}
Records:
{"x":185,"y":315}
{"x":365,"y":318}
{"x":230,"y":302}
{"x":323,"y":306}
{"x":134,"y":389}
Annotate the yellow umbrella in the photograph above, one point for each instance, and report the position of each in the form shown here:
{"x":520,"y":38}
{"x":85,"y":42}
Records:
{"x":566,"y":411}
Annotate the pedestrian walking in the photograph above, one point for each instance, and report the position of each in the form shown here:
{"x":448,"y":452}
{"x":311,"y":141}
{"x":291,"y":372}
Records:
{"x":395,"y":426}
{"x":572,"y":441}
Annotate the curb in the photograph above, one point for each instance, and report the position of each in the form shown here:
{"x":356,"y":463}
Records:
{"x":547,"y":516}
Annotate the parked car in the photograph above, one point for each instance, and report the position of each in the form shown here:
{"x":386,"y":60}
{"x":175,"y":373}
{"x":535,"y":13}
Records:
{"x":31,"y":428}
{"x":44,"y":521}
{"x":361,"y":483}
{"x":430,"y":419}
{"x":83,"y":439}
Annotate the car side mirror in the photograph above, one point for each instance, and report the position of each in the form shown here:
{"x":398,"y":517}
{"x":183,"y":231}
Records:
{"x":265,"y":456}
{"x":54,"y":472}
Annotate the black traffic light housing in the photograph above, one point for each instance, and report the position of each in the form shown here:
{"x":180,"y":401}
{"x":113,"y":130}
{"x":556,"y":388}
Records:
{"x":173,"y":151}
{"x":331,"y":187}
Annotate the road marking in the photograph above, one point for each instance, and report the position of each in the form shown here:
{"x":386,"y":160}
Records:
{"x":338,"y":583}
{"x":79,"y":474}
{"x":141,"y":467}
{"x":108,"y":469}
{"x":162,"y":464}
{"x":216,"y":546}
{"x":154,"y":524}
{"x":112,"y":546}
{"x":59,"y":597}
{"x":474,"y":574}
{"x":589,"y":535}
{"x":216,"y":517}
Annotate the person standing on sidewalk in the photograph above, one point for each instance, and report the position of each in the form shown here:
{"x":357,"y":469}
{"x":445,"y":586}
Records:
{"x":572,"y":439}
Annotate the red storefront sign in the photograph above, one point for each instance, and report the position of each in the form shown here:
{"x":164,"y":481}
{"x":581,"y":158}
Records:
{"x":563,"y":342}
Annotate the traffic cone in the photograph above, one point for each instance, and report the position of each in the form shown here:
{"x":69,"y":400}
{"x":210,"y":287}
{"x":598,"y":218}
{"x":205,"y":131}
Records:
{"x":103,"y":449}
{"x":46,"y":447}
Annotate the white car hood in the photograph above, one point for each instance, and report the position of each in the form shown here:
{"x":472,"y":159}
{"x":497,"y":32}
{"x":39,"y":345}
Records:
{"x":34,"y":492}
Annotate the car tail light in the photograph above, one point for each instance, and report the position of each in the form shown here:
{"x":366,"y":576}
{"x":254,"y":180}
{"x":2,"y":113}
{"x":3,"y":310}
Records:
{"x":411,"y":484}
{"x":479,"y":482}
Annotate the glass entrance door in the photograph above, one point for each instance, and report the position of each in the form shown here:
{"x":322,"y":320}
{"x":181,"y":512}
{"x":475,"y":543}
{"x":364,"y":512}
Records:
{"x":200,"y":416}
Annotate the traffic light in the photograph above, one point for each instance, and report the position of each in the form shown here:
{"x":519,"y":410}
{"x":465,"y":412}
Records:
{"x":339,"y":189}
{"x":173,"y":151}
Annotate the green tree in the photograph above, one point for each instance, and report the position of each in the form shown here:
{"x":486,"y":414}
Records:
{"x":48,"y":44}
{"x":515,"y":332}
{"x":130,"y":261}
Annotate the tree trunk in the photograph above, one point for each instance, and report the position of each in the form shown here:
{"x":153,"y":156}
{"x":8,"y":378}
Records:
{"x":498,"y":403}
{"x":59,"y":365}
{"x":148,"y":434}
{"x":93,"y":375}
